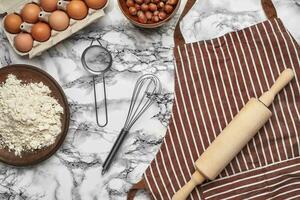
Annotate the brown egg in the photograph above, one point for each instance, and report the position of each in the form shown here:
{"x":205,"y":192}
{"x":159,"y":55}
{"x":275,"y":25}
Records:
{"x":23,"y":42}
{"x":59,"y":20}
{"x":77,"y":9}
{"x":95,"y":4}
{"x":49,"y":5}
{"x":12,"y":23}
{"x":30,"y":13}
{"x":41,"y":32}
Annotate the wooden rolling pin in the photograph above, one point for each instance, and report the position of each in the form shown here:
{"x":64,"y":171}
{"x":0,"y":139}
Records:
{"x":234,"y":137}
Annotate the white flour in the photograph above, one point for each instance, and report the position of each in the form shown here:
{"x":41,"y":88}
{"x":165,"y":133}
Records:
{"x":29,"y":116}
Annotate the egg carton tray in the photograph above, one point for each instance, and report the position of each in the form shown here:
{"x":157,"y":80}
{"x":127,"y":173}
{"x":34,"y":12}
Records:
{"x":56,"y":36}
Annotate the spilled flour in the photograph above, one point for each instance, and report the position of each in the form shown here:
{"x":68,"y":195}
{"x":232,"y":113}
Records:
{"x":29,"y":116}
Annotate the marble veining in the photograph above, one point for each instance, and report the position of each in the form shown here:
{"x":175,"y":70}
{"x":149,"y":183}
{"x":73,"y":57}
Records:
{"x":212,"y":18}
{"x":74,"y":172}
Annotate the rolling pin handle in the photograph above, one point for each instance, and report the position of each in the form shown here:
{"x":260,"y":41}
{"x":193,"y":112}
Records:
{"x":196,"y":179}
{"x":284,"y":78}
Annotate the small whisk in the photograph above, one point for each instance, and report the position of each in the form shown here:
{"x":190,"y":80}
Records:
{"x":142,"y":98}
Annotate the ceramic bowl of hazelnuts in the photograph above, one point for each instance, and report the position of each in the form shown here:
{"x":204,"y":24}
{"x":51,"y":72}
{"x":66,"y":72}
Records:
{"x":149,"y":13}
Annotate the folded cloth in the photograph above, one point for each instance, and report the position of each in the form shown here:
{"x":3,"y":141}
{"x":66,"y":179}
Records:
{"x":213,"y":81}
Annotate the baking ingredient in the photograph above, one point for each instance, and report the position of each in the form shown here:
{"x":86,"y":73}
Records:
{"x":151,"y":11}
{"x":23,"y":42}
{"x":140,"y":2}
{"x":59,"y":20}
{"x":161,"y":5}
{"x":30,"y":13}
{"x":133,"y":11}
{"x":168,"y":8}
{"x":162,"y":15}
{"x":77,"y":9}
{"x":144,"y":7}
{"x":142,"y":17}
{"x":130,"y":3}
{"x":49,"y":5}
{"x":41,"y":32}
{"x":155,"y":18}
{"x":29,"y":116}
{"x":138,"y":7}
{"x":172,"y":2}
{"x":152,"y":7}
{"x":95,"y":4}
{"x":149,"y":15}
{"x":12,"y":23}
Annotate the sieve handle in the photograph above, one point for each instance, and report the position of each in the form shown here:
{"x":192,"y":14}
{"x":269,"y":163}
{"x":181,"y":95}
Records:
{"x":96,"y":102}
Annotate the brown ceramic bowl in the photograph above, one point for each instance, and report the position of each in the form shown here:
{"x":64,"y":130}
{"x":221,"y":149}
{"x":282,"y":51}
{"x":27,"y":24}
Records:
{"x":29,"y":74}
{"x":134,"y":19}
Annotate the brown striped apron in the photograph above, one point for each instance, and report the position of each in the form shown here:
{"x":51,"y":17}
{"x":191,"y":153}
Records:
{"x":213,"y":81}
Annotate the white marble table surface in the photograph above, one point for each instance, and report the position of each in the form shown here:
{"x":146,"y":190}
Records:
{"x":212,"y":18}
{"x":74,"y":172}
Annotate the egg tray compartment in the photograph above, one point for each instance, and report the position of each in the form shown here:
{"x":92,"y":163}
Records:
{"x":56,"y":36}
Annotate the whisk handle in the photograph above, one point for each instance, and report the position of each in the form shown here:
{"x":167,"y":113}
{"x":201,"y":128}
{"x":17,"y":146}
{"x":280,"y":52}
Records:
{"x":114,"y":150}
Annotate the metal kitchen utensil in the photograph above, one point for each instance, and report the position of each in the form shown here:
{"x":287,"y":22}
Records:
{"x":141,"y":100}
{"x":97,"y":60}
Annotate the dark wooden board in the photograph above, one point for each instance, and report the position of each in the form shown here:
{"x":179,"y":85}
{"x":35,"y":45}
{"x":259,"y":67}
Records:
{"x":30,"y":74}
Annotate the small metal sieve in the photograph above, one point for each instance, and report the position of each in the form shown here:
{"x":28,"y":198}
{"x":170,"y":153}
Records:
{"x":97,"y":60}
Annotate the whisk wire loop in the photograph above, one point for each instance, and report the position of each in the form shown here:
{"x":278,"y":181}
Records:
{"x":136,"y":110}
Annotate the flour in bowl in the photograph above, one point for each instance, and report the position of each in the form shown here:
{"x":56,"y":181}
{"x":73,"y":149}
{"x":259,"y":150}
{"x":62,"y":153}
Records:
{"x":29,"y":116}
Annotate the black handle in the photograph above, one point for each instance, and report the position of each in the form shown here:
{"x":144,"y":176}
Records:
{"x":114,"y":150}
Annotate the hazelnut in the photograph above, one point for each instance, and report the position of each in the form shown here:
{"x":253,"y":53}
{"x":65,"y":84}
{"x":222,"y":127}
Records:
{"x":138,"y":7}
{"x":156,"y":13}
{"x":132,"y":11}
{"x":162,"y":15}
{"x":140,"y":2}
{"x":149,"y":15}
{"x":155,"y":18}
{"x":172,"y":2}
{"x":139,"y":13}
{"x":147,"y":1}
{"x":142,"y":17}
{"x":144,"y":7}
{"x":168,"y":8}
{"x":152,"y":7}
{"x":155,"y":1}
{"x":161,"y":4}
{"x":130,"y":3}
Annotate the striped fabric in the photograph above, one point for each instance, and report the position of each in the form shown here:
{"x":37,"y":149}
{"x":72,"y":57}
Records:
{"x":214,"y":80}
